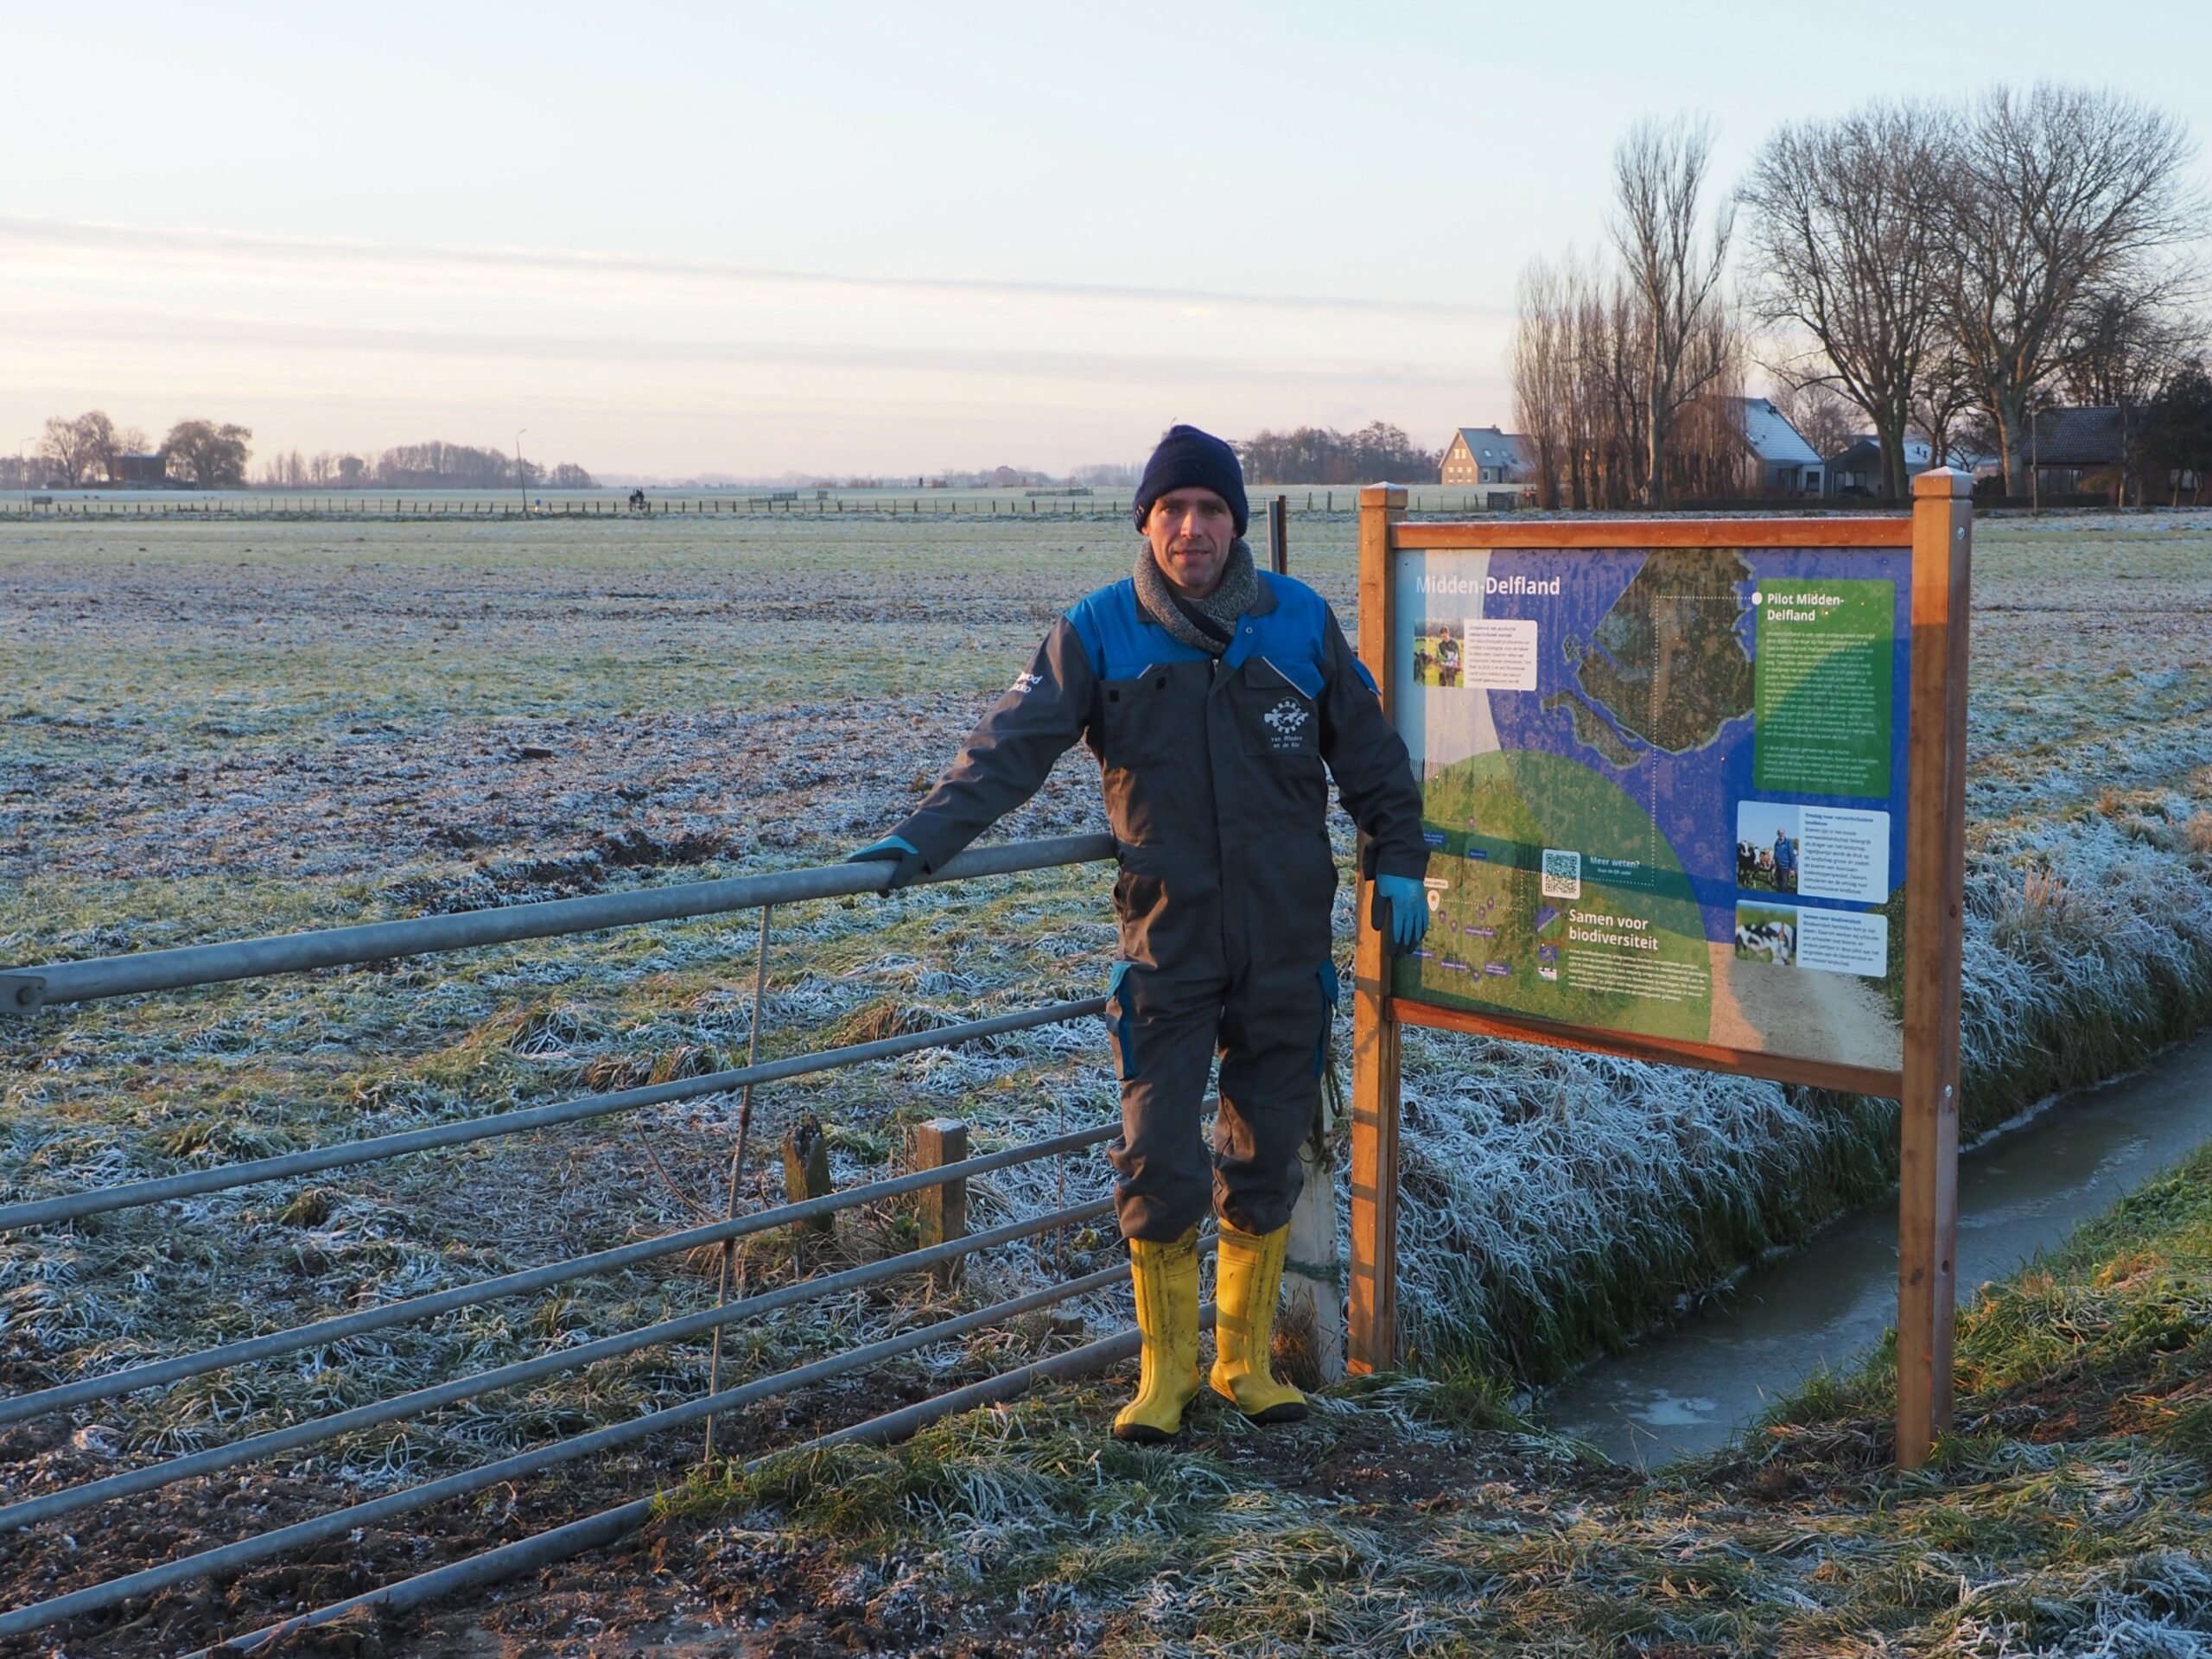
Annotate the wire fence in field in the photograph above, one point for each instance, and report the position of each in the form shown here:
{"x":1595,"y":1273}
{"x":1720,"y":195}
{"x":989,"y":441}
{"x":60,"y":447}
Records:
{"x":724,"y":505}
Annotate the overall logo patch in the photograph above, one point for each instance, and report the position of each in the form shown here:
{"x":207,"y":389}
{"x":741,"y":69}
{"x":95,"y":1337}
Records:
{"x":1287,"y":720}
{"x":1024,"y":684}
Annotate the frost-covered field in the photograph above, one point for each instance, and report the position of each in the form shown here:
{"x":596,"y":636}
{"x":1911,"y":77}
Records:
{"x":221,"y":729}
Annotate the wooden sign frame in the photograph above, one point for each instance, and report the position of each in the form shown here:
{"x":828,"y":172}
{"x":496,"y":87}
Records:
{"x":1938,"y":534}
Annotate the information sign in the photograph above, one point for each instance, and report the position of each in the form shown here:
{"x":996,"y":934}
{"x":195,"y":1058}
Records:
{"x":1693,"y":791}
{"x":1663,"y":791}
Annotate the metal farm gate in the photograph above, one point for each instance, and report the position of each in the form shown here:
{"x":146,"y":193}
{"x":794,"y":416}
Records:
{"x":940,"y":1169}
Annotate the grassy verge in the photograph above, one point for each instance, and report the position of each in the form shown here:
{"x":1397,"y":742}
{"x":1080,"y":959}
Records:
{"x":2070,"y":1513}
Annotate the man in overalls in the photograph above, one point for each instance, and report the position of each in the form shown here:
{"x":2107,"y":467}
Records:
{"x":1214,"y":695}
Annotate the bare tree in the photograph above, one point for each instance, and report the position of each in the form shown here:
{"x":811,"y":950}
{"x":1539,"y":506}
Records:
{"x":2125,"y":345}
{"x":1946,"y":407}
{"x":214,"y":457}
{"x":1611,"y":368}
{"x":1578,"y":384}
{"x":1543,"y":362}
{"x":285,"y":471}
{"x":91,"y":446}
{"x":2054,"y":197}
{"x":1659,"y":174}
{"x":1824,"y":417}
{"x":99,"y":442}
{"x":1582,"y":389}
{"x":1845,"y":243}
{"x":70,"y":447}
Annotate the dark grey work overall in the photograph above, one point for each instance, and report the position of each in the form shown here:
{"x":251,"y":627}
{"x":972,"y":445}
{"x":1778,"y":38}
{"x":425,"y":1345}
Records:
{"x":1213,"y":773}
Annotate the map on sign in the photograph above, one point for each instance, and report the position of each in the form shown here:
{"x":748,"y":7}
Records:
{"x":1662,"y":791}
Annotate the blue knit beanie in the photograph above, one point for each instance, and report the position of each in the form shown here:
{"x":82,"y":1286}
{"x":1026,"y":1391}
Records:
{"x":1186,"y":458}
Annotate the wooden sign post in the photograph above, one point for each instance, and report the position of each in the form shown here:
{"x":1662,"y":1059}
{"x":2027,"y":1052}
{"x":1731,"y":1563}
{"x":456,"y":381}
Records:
{"x":1927,"y":1162}
{"x":1852,"y":734}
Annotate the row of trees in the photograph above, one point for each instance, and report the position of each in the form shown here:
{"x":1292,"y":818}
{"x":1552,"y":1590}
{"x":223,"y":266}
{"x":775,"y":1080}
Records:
{"x":437,"y":464}
{"x":211,"y":454}
{"x":1940,"y":264}
{"x":1316,"y":454}
{"x":90,"y":449}
{"x":1937,"y":270}
{"x":1625,"y":366}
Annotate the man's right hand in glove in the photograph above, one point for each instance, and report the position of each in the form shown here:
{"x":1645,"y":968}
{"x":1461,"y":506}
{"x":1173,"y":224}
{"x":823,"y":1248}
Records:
{"x":1400,"y":913}
{"x":898,"y":852}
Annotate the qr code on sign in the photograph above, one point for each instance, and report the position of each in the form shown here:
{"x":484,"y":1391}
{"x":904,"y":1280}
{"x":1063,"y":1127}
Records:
{"x":1563,"y":874}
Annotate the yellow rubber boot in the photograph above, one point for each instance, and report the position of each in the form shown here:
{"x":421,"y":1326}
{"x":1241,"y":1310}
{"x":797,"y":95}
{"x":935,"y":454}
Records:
{"x":1247,"y":1276}
{"x":1166,"y":1279}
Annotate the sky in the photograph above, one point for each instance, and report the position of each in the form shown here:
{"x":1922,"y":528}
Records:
{"x":865,"y":238}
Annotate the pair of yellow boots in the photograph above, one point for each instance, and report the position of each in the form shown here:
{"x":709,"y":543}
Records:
{"x":1247,"y":1274}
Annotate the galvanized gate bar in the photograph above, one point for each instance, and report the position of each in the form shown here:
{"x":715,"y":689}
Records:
{"x":18,"y":1408}
{"x":99,"y":1201}
{"x":609,"y":1525}
{"x":247,"y":1551}
{"x":71,"y":1499}
{"x":23,"y":989}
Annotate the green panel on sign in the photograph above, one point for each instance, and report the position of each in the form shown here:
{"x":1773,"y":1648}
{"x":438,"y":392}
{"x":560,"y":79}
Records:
{"x":1822,"y":671}
{"x":1566,"y":903}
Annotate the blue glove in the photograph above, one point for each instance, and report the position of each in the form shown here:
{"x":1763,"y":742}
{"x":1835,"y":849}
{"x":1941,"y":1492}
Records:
{"x":1400,"y":913}
{"x":895,"y":850}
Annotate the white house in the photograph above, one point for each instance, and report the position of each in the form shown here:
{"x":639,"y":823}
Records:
{"x":1787,"y":465}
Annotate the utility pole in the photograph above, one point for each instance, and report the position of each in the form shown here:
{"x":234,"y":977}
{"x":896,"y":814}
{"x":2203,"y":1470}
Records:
{"x":522,"y":478}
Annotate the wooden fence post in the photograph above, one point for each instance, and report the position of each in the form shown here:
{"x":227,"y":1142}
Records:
{"x":1312,"y":1318}
{"x":939,"y":1142}
{"x":1927,"y":1163}
{"x":806,"y":1171}
{"x":1371,"y":1336}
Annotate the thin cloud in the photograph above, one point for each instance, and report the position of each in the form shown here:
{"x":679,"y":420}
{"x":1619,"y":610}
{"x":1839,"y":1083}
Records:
{"x":52,"y":327}
{"x":94,"y":237}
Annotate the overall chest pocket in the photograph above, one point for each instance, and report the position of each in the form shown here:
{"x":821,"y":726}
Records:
{"x":1137,"y":718}
{"x":1276,"y":717}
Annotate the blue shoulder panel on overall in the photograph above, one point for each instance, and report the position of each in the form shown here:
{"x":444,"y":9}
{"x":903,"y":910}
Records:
{"x":1291,"y":636}
{"x":1122,"y":641}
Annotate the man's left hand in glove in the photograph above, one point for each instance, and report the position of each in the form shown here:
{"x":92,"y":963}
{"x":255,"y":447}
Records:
{"x":1400,"y":913}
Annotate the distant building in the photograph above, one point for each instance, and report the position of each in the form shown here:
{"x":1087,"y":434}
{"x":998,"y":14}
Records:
{"x":1857,"y":469}
{"x":2069,"y":446}
{"x":1484,"y":454}
{"x":351,"y":471}
{"x":1779,"y":461}
{"x":142,"y":469}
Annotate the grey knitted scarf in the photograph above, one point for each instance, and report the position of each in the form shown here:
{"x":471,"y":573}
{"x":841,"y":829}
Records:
{"x":1186,"y":619}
